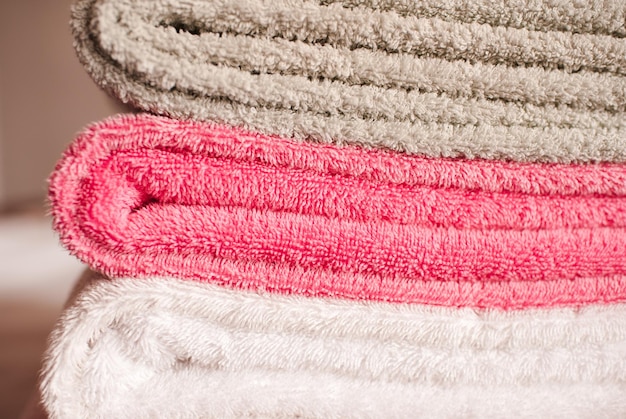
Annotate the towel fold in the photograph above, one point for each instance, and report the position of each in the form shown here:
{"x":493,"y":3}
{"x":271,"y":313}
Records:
{"x":425,"y":80}
{"x":608,"y":17}
{"x":162,"y":347}
{"x":145,"y":195}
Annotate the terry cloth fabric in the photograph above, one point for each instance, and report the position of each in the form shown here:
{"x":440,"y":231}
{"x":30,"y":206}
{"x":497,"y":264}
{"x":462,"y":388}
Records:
{"x":168,"y":348}
{"x":523,"y":80}
{"x":142,"y":195}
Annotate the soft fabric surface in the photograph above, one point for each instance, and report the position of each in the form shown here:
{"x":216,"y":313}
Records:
{"x":605,"y":17}
{"x":145,"y":195}
{"x":167,"y":348}
{"x":439,"y":81}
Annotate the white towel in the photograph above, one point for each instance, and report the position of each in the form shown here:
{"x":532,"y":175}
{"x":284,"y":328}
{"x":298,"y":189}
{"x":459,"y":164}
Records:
{"x":167,"y":348}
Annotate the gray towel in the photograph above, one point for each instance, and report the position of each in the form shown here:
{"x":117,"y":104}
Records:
{"x":523,"y":80}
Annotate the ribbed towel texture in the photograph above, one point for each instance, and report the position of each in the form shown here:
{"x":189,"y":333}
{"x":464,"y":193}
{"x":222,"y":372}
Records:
{"x":442,"y":81}
{"x":145,"y":195}
{"x":161,"y":347}
{"x":346,"y":209}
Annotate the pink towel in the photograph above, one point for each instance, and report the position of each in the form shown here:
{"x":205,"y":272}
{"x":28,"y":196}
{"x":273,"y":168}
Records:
{"x":143,"y":195}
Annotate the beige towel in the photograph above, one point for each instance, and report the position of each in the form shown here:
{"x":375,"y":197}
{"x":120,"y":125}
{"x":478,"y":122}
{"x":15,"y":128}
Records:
{"x":404,"y":76}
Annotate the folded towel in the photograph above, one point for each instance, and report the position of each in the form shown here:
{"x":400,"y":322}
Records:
{"x":169,"y":348}
{"x":440,"y":80}
{"x":607,"y":17}
{"x":142,"y":195}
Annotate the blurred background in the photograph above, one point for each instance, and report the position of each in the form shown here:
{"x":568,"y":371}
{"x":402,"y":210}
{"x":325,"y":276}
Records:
{"x":45,"y":99}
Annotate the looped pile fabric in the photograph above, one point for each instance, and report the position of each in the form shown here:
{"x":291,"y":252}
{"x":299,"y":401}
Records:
{"x":163,"y":347}
{"x":366,"y":75}
{"x":145,"y":195}
{"x":346,"y":209}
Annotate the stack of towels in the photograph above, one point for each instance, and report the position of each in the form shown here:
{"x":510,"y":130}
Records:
{"x":346,"y":208}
